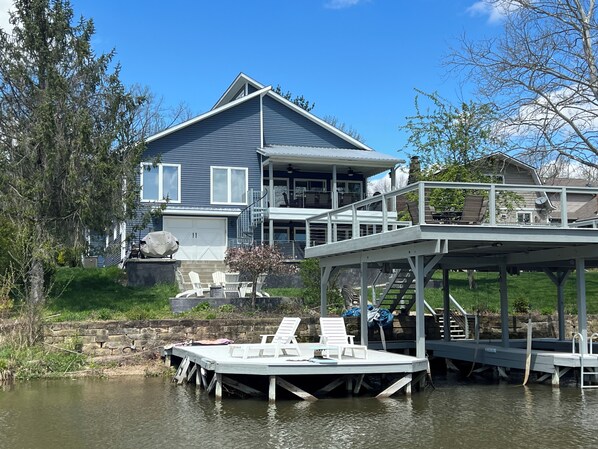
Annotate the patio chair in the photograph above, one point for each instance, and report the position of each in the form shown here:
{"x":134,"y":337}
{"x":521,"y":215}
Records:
{"x":231,"y":285}
{"x":474,"y":209}
{"x":282,"y":342}
{"x":334,"y":338}
{"x":413,"y":209}
{"x":196,"y":290}
{"x":219,"y":278}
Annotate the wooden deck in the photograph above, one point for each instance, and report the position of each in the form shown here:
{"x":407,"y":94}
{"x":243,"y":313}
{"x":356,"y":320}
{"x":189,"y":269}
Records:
{"x":550,"y":358}
{"x":212,"y":368}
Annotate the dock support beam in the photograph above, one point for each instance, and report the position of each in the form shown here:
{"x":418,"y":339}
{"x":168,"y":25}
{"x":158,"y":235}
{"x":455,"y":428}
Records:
{"x":504,"y":306}
{"x":417,"y":265}
{"x":559,"y":278}
{"x":446,"y":306}
{"x":363,"y":302}
{"x":272,"y":389}
{"x":582,"y":319}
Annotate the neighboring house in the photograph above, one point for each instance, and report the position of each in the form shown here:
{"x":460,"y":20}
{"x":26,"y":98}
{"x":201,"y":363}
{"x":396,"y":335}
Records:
{"x":251,"y":169}
{"x":528,"y":206}
{"x":581,"y":207}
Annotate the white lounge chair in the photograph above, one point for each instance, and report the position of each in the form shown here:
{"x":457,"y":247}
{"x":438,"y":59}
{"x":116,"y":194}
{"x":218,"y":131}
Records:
{"x":196,"y":290}
{"x":283,"y":341}
{"x":335,"y":339}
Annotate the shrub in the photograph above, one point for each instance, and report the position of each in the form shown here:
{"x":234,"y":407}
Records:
{"x":521,"y":305}
{"x":311,"y":275}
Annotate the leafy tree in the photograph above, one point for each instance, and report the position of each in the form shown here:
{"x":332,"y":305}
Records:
{"x":451,"y":142}
{"x":252,"y":261}
{"x":311,"y":275}
{"x":299,"y":100}
{"x":542,"y":73}
{"x":68,"y":149}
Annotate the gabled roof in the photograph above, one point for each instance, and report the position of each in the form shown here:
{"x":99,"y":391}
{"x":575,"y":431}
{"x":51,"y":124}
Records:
{"x":514,"y":161}
{"x":227,"y":101}
{"x":243,"y":79}
{"x":240,"y":81}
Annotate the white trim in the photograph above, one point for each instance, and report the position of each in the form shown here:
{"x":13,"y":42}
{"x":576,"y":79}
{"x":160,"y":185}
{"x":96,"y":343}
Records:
{"x":199,"y":213}
{"x":240,"y":79}
{"x":160,"y":198}
{"x":261,"y":121}
{"x":206,"y":115}
{"x":229,"y":185}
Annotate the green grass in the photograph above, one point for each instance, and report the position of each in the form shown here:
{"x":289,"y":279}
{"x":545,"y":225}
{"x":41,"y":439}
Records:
{"x":99,"y":294}
{"x":534,"y":289}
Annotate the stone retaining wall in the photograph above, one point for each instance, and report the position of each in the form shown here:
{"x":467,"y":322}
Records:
{"x":115,"y":337}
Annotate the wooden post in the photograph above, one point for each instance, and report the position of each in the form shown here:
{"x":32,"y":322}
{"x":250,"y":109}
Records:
{"x":218,"y":391}
{"x":325,"y":273}
{"x":417,"y":266}
{"x":272,"y":389}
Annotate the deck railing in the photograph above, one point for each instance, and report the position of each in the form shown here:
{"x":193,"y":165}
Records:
{"x":450,"y":203}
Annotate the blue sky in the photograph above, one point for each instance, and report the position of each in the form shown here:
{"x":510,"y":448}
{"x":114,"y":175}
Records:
{"x":358,"y":60}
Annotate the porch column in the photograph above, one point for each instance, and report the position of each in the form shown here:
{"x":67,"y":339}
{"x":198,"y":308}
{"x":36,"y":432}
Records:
{"x":582,"y":319}
{"x":363,"y":303}
{"x":504,"y":306}
{"x":393,"y":185}
{"x":446,"y":305}
{"x":334,"y":190}
{"x":270,"y":184}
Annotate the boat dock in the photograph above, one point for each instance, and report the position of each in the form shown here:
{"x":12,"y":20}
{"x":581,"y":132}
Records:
{"x":309,"y":377}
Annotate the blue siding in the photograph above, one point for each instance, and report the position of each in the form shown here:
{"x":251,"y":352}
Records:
{"x":228,"y":139}
{"x":283,"y":126}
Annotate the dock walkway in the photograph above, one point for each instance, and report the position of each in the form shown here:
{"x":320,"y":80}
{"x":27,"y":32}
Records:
{"x":305,"y":376}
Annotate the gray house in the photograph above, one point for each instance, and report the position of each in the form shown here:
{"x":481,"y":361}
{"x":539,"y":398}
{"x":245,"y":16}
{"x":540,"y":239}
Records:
{"x":251,"y":170}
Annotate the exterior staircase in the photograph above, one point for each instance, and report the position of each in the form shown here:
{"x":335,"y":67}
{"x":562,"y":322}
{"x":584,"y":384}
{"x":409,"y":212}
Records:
{"x":456,"y":330}
{"x":251,"y":217}
{"x":399,"y":293}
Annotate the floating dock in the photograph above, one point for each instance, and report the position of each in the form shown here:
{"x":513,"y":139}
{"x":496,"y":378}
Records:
{"x":212,"y":368}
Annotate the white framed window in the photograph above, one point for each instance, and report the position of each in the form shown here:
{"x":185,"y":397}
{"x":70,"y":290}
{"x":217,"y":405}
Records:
{"x":228,"y":185}
{"x":160,"y":182}
{"x":495,"y":178}
{"x":524,"y":217}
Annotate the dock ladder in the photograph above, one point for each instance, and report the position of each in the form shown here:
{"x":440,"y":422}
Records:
{"x":579,"y":337}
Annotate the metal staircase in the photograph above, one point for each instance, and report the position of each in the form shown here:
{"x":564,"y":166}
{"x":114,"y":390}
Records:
{"x":456,"y":328}
{"x":399,"y":293}
{"x":251,"y":217}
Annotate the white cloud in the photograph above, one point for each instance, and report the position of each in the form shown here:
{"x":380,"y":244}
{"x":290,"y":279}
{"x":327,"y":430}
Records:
{"x":341,"y":4}
{"x":5,"y":6}
{"x":495,"y":10}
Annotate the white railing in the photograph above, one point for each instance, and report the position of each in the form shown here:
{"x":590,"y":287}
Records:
{"x":504,"y":205}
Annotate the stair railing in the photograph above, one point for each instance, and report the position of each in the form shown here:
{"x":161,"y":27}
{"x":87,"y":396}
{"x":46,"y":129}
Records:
{"x":462,"y":320}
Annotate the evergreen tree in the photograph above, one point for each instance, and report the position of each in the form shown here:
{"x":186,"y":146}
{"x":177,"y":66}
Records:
{"x":68,"y":149}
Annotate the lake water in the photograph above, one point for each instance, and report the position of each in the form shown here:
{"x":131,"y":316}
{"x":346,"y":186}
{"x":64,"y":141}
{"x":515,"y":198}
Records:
{"x":154,"y":413}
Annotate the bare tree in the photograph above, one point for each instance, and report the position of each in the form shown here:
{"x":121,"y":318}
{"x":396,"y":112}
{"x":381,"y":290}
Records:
{"x":342,"y":126}
{"x":542,"y":74}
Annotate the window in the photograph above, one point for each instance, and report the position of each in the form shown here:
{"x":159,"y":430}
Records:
{"x":160,"y":182}
{"x":229,"y":185}
{"x":524,"y":217}
{"x":495,"y":178}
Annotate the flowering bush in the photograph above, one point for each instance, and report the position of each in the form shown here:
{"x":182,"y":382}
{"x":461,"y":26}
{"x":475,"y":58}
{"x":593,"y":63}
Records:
{"x":255,"y":260}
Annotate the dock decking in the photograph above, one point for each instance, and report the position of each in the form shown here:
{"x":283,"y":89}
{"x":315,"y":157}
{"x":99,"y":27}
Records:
{"x":212,"y":368}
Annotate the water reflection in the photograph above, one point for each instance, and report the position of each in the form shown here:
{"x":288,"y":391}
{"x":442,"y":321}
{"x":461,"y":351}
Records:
{"x":154,"y":413}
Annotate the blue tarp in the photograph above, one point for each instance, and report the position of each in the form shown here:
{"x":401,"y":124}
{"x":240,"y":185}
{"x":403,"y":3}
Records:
{"x":381,"y":317}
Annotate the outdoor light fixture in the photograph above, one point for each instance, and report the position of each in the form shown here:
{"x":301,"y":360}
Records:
{"x":290,"y":169}
{"x":350,"y":172}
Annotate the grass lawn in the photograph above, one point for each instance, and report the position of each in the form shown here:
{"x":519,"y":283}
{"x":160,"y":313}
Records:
{"x":99,"y":294}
